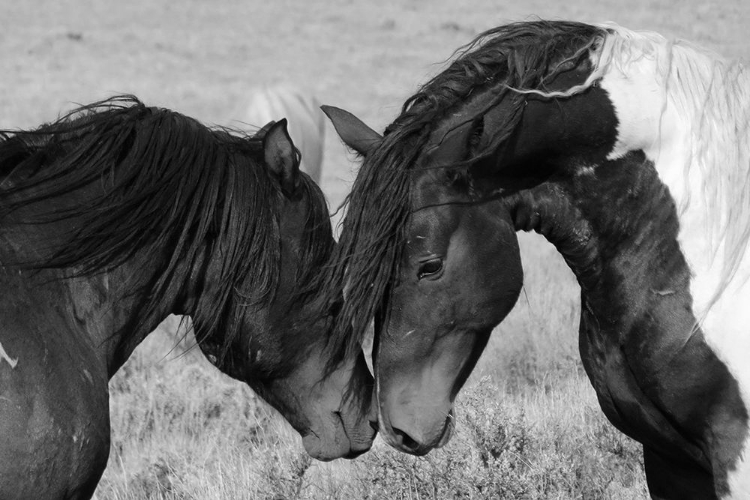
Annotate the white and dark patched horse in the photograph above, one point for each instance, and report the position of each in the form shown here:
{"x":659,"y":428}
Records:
{"x":631,"y":154}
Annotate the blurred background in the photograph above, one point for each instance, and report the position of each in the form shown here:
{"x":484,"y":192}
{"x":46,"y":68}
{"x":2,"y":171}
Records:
{"x":529,"y":424}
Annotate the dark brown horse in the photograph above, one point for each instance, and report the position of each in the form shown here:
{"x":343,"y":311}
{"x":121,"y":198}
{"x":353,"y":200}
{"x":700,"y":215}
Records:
{"x":630,"y":154}
{"x":119,"y":214}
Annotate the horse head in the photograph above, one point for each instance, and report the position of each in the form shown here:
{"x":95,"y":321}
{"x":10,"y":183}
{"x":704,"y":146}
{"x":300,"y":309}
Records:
{"x":275,"y":339}
{"x":458,"y":276}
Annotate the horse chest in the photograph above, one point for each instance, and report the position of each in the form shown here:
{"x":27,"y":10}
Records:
{"x":665,"y":387}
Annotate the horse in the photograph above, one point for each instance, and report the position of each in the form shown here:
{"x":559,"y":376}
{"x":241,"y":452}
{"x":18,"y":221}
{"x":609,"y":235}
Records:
{"x":117,"y":215}
{"x":305,"y":120}
{"x":629,"y":153}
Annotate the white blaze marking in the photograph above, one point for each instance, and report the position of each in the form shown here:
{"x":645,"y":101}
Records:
{"x":657,"y":124}
{"x":4,"y":356}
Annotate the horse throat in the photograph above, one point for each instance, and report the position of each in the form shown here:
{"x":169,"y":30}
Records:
{"x":548,"y":211}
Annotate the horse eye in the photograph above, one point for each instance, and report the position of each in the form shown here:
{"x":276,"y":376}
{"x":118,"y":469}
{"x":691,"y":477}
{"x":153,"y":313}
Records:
{"x":430,"y":267}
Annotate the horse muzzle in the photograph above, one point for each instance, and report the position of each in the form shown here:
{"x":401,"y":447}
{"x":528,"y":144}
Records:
{"x":417,"y":436}
{"x":341,"y":438}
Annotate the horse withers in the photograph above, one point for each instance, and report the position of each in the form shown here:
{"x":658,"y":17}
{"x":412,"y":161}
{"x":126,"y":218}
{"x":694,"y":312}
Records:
{"x":630,"y":154}
{"x":119,"y":214}
{"x":306,"y":122}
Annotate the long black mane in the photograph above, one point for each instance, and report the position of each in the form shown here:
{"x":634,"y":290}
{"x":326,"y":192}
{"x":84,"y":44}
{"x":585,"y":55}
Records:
{"x":121,"y":179}
{"x":503,"y":60}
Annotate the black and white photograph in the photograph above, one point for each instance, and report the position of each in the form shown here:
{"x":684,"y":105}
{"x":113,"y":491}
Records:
{"x":398,"y":250}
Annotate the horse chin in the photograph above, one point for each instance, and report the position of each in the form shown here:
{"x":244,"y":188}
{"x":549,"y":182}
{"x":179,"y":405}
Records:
{"x":338,"y":423}
{"x":324,"y":449}
{"x":335,"y":442}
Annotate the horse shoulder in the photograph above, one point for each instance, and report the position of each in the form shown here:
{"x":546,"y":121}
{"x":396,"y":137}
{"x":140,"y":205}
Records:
{"x":54,"y":403}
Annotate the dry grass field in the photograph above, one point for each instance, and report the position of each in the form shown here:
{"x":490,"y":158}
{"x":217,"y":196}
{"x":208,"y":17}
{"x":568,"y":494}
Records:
{"x":529,"y":425}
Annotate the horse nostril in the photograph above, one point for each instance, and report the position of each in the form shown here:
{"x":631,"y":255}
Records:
{"x":406,"y":441}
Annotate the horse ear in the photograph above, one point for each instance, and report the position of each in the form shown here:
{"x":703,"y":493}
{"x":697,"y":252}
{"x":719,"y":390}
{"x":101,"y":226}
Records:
{"x":265,"y":128}
{"x":282,"y":156}
{"x":352,"y":130}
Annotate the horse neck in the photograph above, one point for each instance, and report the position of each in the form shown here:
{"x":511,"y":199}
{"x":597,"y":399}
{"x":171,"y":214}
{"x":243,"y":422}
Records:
{"x":106,"y":309}
{"x":645,"y":354}
{"x":616,"y":227}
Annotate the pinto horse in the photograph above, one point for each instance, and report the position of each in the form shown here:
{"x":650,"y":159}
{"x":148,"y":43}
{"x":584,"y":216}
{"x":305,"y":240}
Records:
{"x":119,"y":214}
{"x":305,"y":120}
{"x":630,"y":154}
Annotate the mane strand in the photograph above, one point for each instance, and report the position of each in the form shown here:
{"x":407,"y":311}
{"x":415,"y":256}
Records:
{"x":122,"y":179}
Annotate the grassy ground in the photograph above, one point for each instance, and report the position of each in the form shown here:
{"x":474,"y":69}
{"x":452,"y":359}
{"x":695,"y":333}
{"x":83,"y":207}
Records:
{"x":528,"y":422}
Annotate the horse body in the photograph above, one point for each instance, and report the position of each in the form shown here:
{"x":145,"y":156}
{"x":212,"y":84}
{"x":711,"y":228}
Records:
{"x":302,"y":111}
{"x":629,"y":154}
{"x":119,"y":215}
